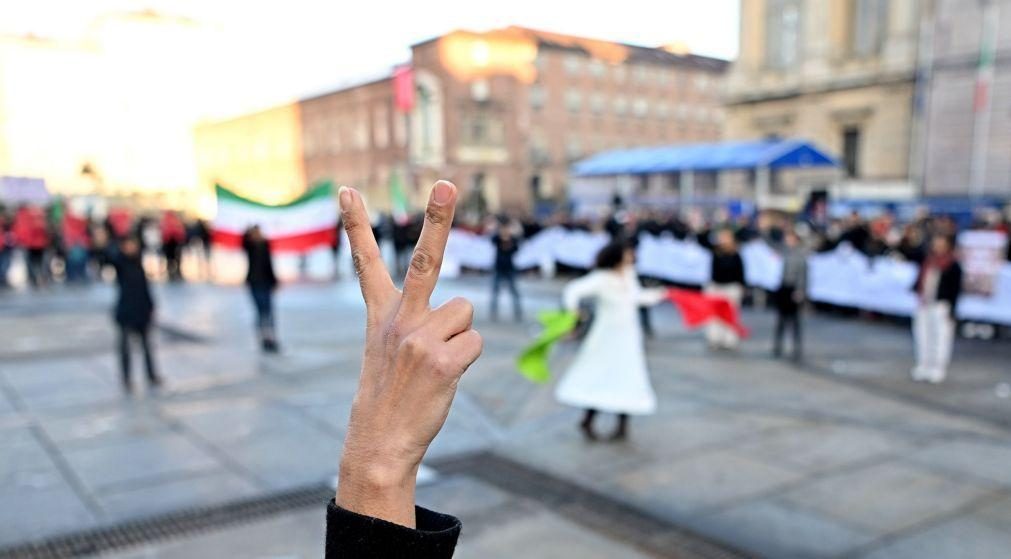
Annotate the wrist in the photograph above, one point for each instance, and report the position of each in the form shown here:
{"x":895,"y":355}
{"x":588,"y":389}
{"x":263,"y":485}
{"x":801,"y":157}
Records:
{"x":379,"y":489}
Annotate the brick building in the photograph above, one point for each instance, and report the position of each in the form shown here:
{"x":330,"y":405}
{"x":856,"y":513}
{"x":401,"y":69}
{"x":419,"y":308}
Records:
{"x":501,"y":113}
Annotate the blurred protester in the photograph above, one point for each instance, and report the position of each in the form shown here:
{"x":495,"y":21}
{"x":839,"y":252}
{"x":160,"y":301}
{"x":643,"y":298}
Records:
{"x":856,"y":232}
{"x":31,"y":233}
{"x":76,"y":244}
{"x":173,"y":236}
{"x":938,"y":287}
{"x":200,"y":232}
{"x":609,"y":372}
{"x":101,"y":248}
{"x":727,"y":281}
{"x":262,"y":282}
{"x":134,"y":310}
{"x":910,"y":245}
{"x":790,"y":296}
{"x":507,"y":242}
{"x":6,"y":248}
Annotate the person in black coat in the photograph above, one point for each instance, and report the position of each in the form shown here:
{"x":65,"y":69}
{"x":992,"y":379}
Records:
{"x":134,"y":309}
{"x":727,"y":281}
{"x":506,"y":241}
{"x":261,"y":281}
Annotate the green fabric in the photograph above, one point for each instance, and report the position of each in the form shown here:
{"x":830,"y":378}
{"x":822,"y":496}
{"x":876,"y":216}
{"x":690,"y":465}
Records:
{"x":398,"y":197}
{"x":533,"y":362}
{"x":321,"y":189}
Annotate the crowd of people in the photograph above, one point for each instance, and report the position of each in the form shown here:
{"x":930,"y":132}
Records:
{"x":59,"y":245}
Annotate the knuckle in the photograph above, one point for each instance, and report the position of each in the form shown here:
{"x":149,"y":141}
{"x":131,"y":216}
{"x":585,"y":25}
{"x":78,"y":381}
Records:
{"x":435,"y":215}
{"x":442,"y":363}
{"x":414,"y":345}
{"x":361,"y":260}
{"x":349,"y":220}
{"x":422,"y":263}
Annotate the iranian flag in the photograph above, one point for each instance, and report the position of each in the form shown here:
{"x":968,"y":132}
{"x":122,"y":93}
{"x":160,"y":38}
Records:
{"x":305,"y":223}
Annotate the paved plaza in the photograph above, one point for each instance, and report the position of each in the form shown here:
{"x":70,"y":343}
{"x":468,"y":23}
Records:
{"x":838,"y":456}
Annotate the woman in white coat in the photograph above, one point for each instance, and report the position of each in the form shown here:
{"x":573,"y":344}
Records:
{"x":609,"y":372}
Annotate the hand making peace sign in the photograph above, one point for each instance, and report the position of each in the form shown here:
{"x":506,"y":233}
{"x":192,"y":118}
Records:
{"x":414,"y":357}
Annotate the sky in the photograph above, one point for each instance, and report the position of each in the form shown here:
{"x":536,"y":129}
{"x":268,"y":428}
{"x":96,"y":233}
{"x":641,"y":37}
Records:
{"x":293,"y":48}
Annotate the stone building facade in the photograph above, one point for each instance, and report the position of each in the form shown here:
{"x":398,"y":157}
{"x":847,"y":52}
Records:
{"x":841,"y":73}
{"x":966,"y":129}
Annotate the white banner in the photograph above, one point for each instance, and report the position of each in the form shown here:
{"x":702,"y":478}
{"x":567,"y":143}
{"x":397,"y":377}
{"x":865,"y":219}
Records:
{"x":842,"y":277}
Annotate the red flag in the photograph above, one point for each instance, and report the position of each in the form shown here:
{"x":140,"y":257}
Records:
{"x":403,"y":88}
{"x":699,"y":308}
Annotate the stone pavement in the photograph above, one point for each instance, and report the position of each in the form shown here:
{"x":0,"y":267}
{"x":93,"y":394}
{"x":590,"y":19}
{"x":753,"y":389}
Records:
{"x":841,"y":456}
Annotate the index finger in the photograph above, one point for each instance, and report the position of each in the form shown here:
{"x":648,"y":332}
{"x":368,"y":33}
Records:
{"x":372,"y":275}
{"x":427,"y":259}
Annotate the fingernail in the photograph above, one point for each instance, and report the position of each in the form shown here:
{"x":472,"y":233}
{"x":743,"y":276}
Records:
{"x":345,"y":196}
{"x":442,"y":192}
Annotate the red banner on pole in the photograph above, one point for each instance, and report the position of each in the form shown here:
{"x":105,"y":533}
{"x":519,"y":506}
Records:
{"x":403,"y":88}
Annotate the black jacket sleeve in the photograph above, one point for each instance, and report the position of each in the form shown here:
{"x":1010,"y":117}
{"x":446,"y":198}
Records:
{"x":354,"y":536}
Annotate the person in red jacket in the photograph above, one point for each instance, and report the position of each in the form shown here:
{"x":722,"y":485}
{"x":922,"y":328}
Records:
{"x":76,"y":244}
{"x":173,"y":237}
{"x":30,"y":233}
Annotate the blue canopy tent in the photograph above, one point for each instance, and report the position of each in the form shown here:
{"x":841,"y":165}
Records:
{"x":760,"y":156}
{"x":722,"y":156}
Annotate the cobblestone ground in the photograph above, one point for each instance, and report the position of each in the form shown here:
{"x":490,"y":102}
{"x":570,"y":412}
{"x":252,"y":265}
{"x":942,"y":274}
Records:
{"x":839,"y":456}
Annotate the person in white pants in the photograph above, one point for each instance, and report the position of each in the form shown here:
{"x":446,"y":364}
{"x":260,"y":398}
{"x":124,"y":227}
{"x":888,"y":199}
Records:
{"x":727,"y":281}
{"x":938,"y":286}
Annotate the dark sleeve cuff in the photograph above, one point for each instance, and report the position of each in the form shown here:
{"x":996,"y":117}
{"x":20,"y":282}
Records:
{"x":352,"y":535}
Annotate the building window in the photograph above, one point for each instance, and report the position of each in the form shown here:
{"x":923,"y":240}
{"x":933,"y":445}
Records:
{"x":620,"y":73}
{"x":537,"y":96}
{"x":597,"y":103}
{"x":535,"y":187}
{"x":597,"y":68}
{"x":482,"y":129}
{"x":620,"y":105}
{"x":639,"y":73}
{"x":851,"y":151}
{"x":662,"y":110}
{"x":640,"y":107}
{"x":782,"y":33}
{"x":573,"y":100}
{"x":573,"y":148}
{"x":868,"y":24}
{"x":682,"y":112}
{"x":573,"y":64}
{"x":480,"y":90}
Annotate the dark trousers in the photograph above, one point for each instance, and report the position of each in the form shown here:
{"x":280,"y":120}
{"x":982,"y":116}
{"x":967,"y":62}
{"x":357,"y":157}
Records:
{"x":36,"y":266}
{"x":263,"y":299}
{"x":509,"y":279}
{"x":125,"y":333}
{"x":787,"y":316}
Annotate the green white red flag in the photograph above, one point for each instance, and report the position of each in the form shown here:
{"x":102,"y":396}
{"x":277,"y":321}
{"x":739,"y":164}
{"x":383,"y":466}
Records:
{"x":305,"y":223}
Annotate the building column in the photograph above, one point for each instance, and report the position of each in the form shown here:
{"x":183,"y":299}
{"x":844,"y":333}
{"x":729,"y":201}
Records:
{"x":762,"y":178}
{"x":687,"y":187}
